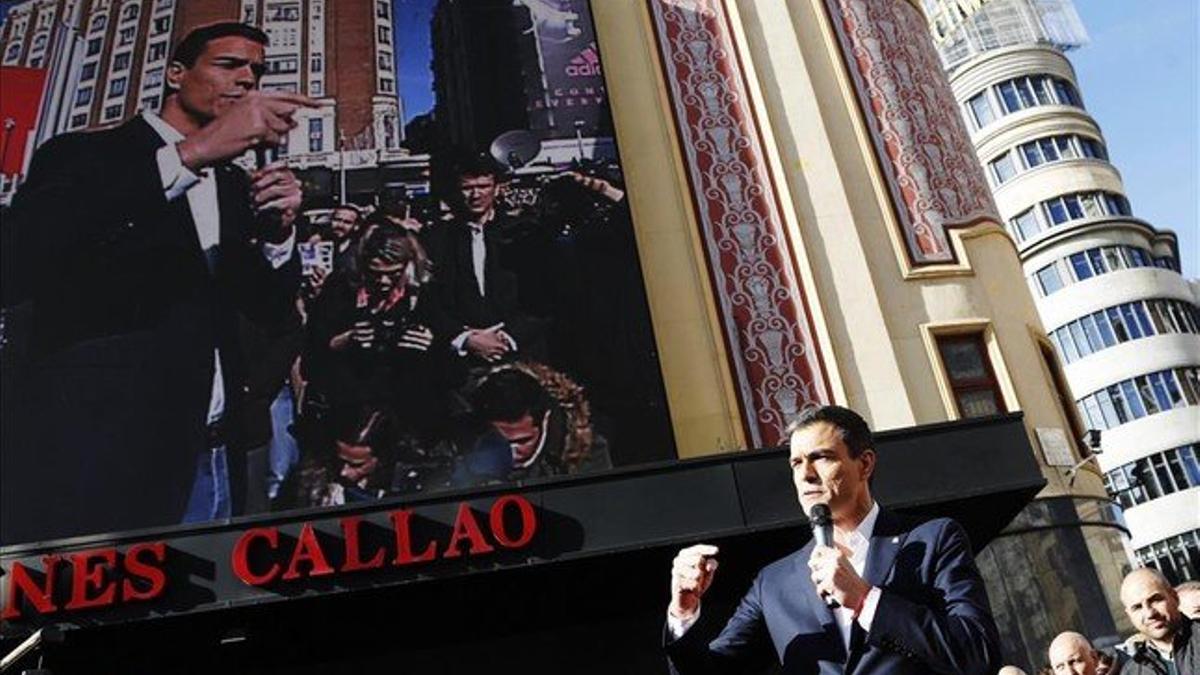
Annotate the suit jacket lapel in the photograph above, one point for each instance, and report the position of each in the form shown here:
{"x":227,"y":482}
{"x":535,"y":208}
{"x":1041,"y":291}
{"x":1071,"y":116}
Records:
{"x":466,"y":257}
{"x":229,"y":202}
{"x":177,"y":213}
{"x":816,"y":605}
{"x":886,"y":541}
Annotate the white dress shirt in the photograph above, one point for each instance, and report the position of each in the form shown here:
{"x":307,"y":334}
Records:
{"x":478,"y":265}
{"x":478,"y":255}
{"x":858,"y":543}
{"x":201,"y":192}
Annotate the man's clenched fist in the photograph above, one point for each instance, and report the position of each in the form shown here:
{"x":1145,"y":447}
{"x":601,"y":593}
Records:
{"x":691,"y":574}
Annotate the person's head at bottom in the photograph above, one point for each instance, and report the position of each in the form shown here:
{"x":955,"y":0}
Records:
{"x":1071,"y":654}
{"x":1189,"y":599}
{"x":1011,"y":670}
{"x":516,"y":407}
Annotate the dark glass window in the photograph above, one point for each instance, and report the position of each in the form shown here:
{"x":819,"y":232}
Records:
{"x":1049,"y":280}
{"x":981,"y":110}
{"x":1079,"y":263}
{"x":976,"y":391}
{"x":1002,"y":168}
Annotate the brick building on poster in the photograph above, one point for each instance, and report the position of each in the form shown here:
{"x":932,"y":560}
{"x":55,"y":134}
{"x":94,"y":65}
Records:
{"x":106,"y":60}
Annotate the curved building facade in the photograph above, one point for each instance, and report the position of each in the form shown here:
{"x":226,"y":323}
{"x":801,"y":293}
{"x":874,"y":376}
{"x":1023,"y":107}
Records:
{"x":1107,"y":284}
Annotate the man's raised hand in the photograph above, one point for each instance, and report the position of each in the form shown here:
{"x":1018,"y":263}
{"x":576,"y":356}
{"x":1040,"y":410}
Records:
{"x":691,"y":574}
{"x":258,"y":117}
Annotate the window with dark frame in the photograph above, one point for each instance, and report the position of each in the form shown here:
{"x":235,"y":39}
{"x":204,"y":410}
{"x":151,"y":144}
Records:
{"x":972,"y":378}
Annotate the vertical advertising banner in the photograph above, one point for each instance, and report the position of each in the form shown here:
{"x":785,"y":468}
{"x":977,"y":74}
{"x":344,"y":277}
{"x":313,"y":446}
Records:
{"x":18,"y":114}
{"x":430,"y":283}
{"x":574,"y":100}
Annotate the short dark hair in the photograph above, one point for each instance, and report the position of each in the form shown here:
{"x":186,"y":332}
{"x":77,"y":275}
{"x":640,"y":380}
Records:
{"x":508,"y":394}
{"x":346,"y":207}
{"x":192,"y":45}
{"x":480,"y":164}
{"x":853,"y":428}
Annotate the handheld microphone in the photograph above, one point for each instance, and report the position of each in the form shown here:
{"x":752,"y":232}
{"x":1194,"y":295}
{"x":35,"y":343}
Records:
{"x":265,"y":154}
{"x":821,"y":520}
{"x":822,"y":524}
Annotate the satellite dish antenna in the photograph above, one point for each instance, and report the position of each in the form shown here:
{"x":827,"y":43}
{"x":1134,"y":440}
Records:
{"x":515,"y":148}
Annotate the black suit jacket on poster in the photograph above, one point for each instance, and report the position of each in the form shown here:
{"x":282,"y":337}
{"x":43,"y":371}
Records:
{"x":455,"y":290}
{"x":933,"y":614}
{"x":127,"y":312}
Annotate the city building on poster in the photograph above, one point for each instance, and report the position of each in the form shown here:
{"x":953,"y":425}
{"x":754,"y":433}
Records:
{"x":1123,"y":321}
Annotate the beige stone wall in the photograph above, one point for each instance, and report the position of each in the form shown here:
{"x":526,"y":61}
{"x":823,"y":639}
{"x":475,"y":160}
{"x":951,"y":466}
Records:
{"x":876,"y":314}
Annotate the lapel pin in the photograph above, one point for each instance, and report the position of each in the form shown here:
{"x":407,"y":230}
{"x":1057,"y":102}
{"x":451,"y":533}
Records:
{"x":895,"y":540}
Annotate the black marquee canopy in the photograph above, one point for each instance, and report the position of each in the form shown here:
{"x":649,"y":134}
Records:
{"x":562,"y":575}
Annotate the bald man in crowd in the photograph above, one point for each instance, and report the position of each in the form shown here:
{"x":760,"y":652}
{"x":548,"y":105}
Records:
{"x":1011,"y":670}
{"x":1172,"y":644}
{"x":1071,"y":654}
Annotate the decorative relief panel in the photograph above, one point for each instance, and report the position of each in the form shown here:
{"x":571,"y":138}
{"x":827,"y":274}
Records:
{"x":766,"y":320}
{"x":919,"y":135}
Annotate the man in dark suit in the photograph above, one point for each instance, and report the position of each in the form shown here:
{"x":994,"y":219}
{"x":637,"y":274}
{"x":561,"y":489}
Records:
{"x":475,"y":274}
{"x":141,"y":248}
{"x":894,"y":596}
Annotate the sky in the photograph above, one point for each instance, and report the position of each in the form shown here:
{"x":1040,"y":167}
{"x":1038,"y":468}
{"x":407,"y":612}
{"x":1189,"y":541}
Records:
{"x":1139,"y":76}
{"x":413,"y":53}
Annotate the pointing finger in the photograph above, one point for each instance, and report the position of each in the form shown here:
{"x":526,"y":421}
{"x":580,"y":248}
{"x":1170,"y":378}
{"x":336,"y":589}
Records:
{"x":289,"y":98}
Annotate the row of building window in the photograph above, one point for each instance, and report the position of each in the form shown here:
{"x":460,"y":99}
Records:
{"x":1155,"y":476}
{"x":1092,"y":263}
{"x":286,"y":11}
{"x":1122,"y":323}
{"x":1043,"y":151}
{"x":1141,"y":396}
{"x":1051,"y":213}
{"x":1010,"y":96}
{"x":1178,"y":557}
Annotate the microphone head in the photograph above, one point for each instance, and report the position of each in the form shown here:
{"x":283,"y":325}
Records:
{"x":819,"y":514}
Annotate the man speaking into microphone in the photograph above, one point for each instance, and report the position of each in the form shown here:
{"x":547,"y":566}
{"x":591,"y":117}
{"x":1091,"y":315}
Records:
{"x":890,"y":595}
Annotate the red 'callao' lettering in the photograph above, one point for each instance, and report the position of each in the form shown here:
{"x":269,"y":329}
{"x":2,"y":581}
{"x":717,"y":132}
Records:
{"x":308,"y":550}
{"x":528,"y":521}
{"x":404,"y":554}
{"x":465,"y":527}
{"x":353,"y":561}
{"x":241,"y":553}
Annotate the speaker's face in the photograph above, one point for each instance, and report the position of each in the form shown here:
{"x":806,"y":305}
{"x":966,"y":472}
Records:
{"x":824,"y":472}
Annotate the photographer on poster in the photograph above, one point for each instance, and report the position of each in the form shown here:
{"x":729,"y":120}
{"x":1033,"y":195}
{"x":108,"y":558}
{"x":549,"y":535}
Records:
{"x":371,"y":347}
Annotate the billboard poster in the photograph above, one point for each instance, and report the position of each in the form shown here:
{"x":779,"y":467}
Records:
{"x":427,"y":281}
